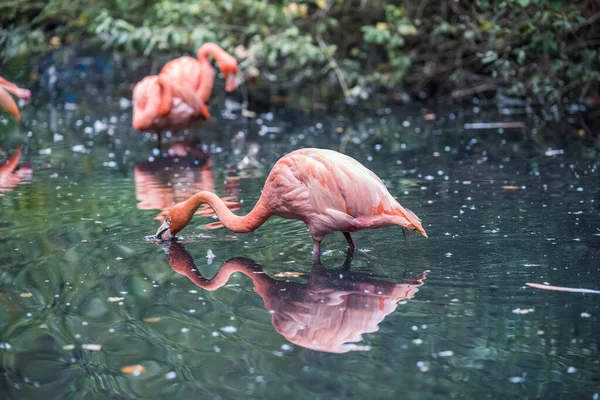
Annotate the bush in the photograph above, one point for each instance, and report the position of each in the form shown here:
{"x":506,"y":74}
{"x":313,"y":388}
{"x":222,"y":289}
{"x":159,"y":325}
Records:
{"x":547,"y":49}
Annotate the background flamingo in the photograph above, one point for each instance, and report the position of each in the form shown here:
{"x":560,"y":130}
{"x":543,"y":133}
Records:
{"x":7,"y":102}
{"x":330,"y":313}
{"x":176,"y":98}
{"x":12,"y":174}
{"x":327,"y":190}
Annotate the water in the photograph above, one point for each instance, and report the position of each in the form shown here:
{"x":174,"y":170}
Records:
{"x":86,"y":298}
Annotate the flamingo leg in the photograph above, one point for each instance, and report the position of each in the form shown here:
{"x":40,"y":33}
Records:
{"x":349,"y":258}
{"x":316,"y":252}
{"x":351,"y":244}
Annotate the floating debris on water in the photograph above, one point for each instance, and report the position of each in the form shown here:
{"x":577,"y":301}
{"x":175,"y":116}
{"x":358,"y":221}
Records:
{"x":210,"y":256}
{"x":494,"y":125}
{"x":115,"y":299}
{"x":92,"y":347}
{"x":171,"y":375}
{"x":551,"y":153}
{"x":26,"y":294}
{"x":562,"y":289}
{"x":585,"y":315}
{"x":134,"y":370}
{"x":229,"y":329}
{"x":447,"y":353}
{"x":523,"y":311}
{"x":68,"y":347}
{"x":288,"y":274}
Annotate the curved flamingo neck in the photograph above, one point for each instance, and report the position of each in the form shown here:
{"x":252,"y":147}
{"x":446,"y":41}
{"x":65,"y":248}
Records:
{"x":236,"y":223}
{"x":222,"y":58}
{"x":11,"y":163}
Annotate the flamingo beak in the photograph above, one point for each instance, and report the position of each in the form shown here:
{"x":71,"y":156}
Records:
{"x":164,"y":233}
{"x":230,"y":83}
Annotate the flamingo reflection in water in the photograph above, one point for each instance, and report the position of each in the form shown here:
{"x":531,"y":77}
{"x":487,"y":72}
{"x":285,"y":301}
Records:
{"x":13,"y":174}
{"x":168,"y":180}
{"x":329,"y":313}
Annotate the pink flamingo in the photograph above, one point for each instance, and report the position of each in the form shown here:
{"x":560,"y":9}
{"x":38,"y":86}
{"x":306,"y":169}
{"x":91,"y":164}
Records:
{"x":328,"y":191}
{"x":329,"y":313}
{"x":176,"y":98}
{"x":7,"y":102}
{"x":12,"y":174}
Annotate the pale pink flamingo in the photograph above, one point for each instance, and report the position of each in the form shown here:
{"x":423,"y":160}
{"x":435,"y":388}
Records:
{"x":7,"y":102}
{"x":12,"y":174}
{"x":328,"y":191}
{"x":176,"y":98}
{"x":329,"y":313}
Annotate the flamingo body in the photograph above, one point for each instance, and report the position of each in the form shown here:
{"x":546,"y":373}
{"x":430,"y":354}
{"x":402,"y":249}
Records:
{"x":7,"y":102}
{"x":332,"y":192}
{"x":176,"y":98}
{"x":327,"y":190}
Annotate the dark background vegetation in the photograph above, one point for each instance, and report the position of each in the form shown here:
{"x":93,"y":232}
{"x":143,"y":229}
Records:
{"x":543,"y":50}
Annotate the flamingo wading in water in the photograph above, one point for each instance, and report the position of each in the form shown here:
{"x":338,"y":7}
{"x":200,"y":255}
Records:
{"x":328,"y":191}
{"x":7,"y":102}
{"x":176,"y":98}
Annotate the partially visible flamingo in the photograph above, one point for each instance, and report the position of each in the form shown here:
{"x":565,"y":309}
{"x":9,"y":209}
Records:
{"x":328,"y":191}
{"x":7,"y":102}
{"x":176,"y":98}
{"x":11,"y":174}
{"x":329,"y":313}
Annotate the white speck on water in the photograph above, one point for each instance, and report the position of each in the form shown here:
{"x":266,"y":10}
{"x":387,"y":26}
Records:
{"x":414,"y":327}
{"x":210,"y":256}
{"x":423,"y":366}
{"x":429,"y":178}
{"x":111,"y":330}
{"x":217,"y":349}
{"x":523,"y":311}
{"x":229,"y":329}
{"x":278,"y":353}
{"x":571,"y":370}
{"x":5,"y":345}
{"x":448,"y":254}
{"x":286,"y":347}
{"x":215,"y":334}
{"x":418,"y":342}
{"x":436,"y":153}
{"x":446,"y":353}
{"x":79,"y":149}
{"x":185,"y":330}
{"x":516,"y":379}
{"x":585,"y":315}
{"x":92,"y":347}
{"x":115,"y":299}
{"x":171,"y":375}
{"x":192,"y":291}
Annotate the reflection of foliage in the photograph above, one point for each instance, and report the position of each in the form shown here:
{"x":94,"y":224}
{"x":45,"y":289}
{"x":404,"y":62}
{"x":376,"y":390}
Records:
{"x":546,"y":48}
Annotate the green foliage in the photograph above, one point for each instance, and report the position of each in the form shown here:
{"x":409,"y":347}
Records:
{"x":533,"y":47}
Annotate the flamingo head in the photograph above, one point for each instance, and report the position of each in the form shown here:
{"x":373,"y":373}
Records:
{"x":177,"y":218}
{"x":229,"y":69}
